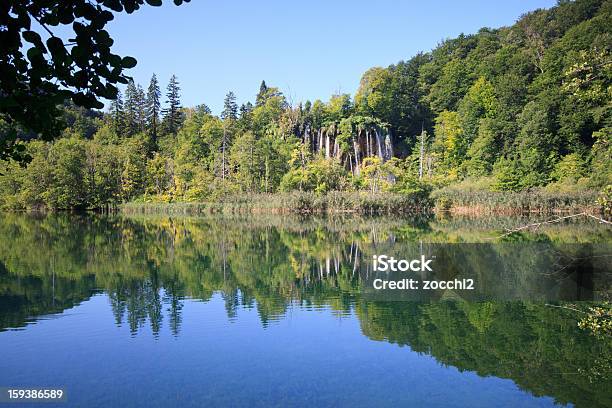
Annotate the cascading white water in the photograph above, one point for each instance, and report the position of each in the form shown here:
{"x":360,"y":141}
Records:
{"x":320,"y":145}
{"x":379,"y":144}
{"x":388,"y":146}
{"x":356,"y":148}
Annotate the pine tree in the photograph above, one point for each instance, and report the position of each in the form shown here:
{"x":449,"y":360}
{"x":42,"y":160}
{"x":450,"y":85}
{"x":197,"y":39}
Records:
{"x":261,"y":96}
{"x":141,"y":109}
{"x":245,"y":116}
{"x":172,"y":113}
{"x":230,"y":108}
{"x":229,"y":116}
{"x":131,"y":109}
{"x":203,"y":109}
{"x":245,"y":109}
{"x":152,"y":110}
{"x":116,"y":113}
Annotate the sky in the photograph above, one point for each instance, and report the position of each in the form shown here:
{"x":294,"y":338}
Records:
{"x":309,"y":49}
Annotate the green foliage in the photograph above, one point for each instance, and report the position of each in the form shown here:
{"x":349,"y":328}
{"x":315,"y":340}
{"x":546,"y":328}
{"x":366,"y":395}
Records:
{"x":36,"y":81}
{"x":526,"y":108}
{"x":448,"y":90}
{"x":319,"y":176}
{"x":605,"y":199}
{"x":484,"y":151}
{"x":507,"y":175}
{"x":570,"y":168}
{"x":173,"y":116}
{"x":404,"y":179}
{"x":598,"y":321}
{"x":479,"y":103}
{"x":449,"y":144}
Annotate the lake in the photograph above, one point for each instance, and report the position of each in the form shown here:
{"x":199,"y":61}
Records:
{"x":280,"y":311}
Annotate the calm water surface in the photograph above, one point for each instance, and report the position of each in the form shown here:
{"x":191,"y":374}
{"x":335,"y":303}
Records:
{"x":276,"y":311}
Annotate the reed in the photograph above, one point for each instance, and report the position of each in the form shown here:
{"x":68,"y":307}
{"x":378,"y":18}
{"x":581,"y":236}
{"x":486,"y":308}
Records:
{"x":466,"y":201}
{"x":293,"y":202}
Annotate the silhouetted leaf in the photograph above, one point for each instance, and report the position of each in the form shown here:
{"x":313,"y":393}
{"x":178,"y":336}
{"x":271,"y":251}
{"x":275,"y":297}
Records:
{"x":32,"y":37}
{"x":128,"y":62}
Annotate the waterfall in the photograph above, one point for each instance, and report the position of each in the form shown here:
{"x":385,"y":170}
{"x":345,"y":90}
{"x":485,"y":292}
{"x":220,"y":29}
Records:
{"x":378,"y":144}
{"x":388,"y":146}
{"x":356,"y":148}
{"x":389,"y":154}
{"x":326,"y":146}
{"x":320,"y":145}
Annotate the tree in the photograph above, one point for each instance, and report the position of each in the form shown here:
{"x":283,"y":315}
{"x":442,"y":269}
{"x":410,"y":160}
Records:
{"x":230,"y":108}
{"x":229,"y":116}
{"x":117,"y":115}
{"x":449,"y":145}
{"x":479,"y":102}
{"x":266,"y":116}
{"x":153,"y":106}
{"x":172,"y":113}
{"x":535,"y":145}
{"x":158,"y":173}
{"x":135,"y":109}
{"x":451,"y":87}
{"x":131,"y":108}
{"x":141,"y":109}
{"x":261,"y":95}
{"x":203,"y":109}
{"x":374,"y":96}
{"x":68,"y":189}
{"x":246,"y":116}
{"x":84,"y":69}
{"x":244,"y":159}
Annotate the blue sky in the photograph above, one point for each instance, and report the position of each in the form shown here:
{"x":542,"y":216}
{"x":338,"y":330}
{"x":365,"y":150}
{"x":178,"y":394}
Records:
{"x":309,"y":49}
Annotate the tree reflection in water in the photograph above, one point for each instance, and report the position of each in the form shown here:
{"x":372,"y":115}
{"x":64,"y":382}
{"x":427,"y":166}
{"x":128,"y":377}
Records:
{"x":148,"y":268}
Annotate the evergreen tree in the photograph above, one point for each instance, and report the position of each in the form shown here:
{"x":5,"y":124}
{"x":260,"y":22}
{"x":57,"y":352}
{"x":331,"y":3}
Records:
{"x":131,"y":108}
{"x":203,"y":109}
{"x":172,"y":113}
{"x":230,"y":108}
{"x":116,"y":112}
{"x":246,"y":109}
{"x":245,"y":116}
{"x":229,"y":116}
{"x":141,"y":109}
{"x":152,"y":109}
{"x":261,"y":96}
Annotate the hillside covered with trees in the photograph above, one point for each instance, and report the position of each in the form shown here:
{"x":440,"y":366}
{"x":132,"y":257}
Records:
{"x":520,"y":108}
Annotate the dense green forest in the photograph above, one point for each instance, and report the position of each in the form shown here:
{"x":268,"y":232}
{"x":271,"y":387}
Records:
{"x":514,"y":109}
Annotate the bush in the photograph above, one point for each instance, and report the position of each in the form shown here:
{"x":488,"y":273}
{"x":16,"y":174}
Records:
{"x":320,"y":176}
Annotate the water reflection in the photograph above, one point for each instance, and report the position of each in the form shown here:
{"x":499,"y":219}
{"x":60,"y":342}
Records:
{"x":150,"y":267}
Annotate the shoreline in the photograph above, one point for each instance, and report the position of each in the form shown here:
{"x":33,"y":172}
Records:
{"x":476,"y":204}
{"x":374,"y":204}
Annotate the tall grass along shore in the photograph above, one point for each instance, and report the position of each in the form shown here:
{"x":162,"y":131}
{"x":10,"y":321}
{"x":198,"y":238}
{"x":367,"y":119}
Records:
{"x":443,"y":200}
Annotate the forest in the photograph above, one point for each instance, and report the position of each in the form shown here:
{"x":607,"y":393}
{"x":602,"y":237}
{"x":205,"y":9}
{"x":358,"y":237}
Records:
{"x":524,"y":109}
